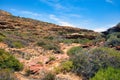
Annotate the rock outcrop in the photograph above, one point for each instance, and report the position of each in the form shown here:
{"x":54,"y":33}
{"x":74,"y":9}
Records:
{"x":113,"y":29}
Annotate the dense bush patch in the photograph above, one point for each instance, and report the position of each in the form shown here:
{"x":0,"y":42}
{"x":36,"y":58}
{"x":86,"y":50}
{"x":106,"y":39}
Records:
{"x":74,"y":51}
{"x":17,"y":44}
{"x":65,"y":66}
{"x":87,"y":62}
{"x":7,"y":61}
{"x":113,"y":39}
{"x":107,"y":74}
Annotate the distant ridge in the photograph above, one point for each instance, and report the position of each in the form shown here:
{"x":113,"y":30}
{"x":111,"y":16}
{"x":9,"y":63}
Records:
{"x":5,"y":13}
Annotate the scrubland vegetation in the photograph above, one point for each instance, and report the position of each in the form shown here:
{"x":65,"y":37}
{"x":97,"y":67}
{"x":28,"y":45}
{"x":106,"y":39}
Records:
{"x":88,"y":62}
{"x":96,"y":58}
{"x":8,"y":64}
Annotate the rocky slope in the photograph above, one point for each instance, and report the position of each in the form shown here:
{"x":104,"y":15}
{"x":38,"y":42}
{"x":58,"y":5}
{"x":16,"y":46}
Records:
{"x":42,"y":46}
{"x":35,"y":44}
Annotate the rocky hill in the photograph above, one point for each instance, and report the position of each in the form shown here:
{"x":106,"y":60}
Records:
{"x":48,"y":51}
{"x":112,"y":36}
{"x":113,"y":29}
{"x":40,"y":46}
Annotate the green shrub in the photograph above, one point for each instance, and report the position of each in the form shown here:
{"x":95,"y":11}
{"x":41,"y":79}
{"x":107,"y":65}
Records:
{"x":2,"y":37}
{"x":107,"y":74}
{"x":17,"y":44}
{"x":49,"y":37}
{"x":14,"y":43}
{"x":41,"y":43}
{"x":52,"y":58}
{"x":74,"y":50}
{"x":49,"y":45}
{"x":113,"y":39}
{"x":81,"y":41}
{"x":88,"y":62}
{"x":49,"y":76}
{"x":62,"y":32}
{"x":6,"y":74}
{"x":9,"y":61}
{"x":67,"y":41}
{"x":66,"y":66}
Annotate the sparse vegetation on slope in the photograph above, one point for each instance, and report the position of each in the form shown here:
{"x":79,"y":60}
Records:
{"x":35,"y":44}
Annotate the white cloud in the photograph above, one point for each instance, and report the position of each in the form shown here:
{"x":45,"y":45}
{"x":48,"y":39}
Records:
{"x":75,"y":15}
{"x":54,"y":3}
{"x":59,"y":21}
{"x":109,"y":1}
{"x":30,"y":13}
{"x":26,"y":12}
{"x":13,"y":9}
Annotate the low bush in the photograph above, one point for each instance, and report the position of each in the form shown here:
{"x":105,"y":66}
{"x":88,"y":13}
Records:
{"x":64,"y":67}
{"x":113,"y":39}
{"x":48,"y":45}
{"x":81,"y":41}
{"x":41,"y":43}
{"x":87,"y":62}
{"x":52,"y":58}
{"x":17,"y":44}
{"x":9,"y":61}
{"x":49,"y":37}
{"x":107,"y":74}
{"x":14,"y":43}
{"x":2,"y":37}
{"x":49,"y":76}
{"x":74,"y":50}
{"x":6,"y":74}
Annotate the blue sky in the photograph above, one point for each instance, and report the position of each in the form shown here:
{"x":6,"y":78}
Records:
{"x":96,"y":15}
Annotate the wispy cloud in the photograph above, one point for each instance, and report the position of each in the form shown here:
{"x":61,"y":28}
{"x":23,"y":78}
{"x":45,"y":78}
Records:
{"x":64,"y":20}
{"x":109,"y":1}
{"x":49,"y":17}
{"x":31,"y":13}
{"x":59,"y":21}
{"x":26,"y":12}
{"x":54,"y":3}
{"x":58,"y":5}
